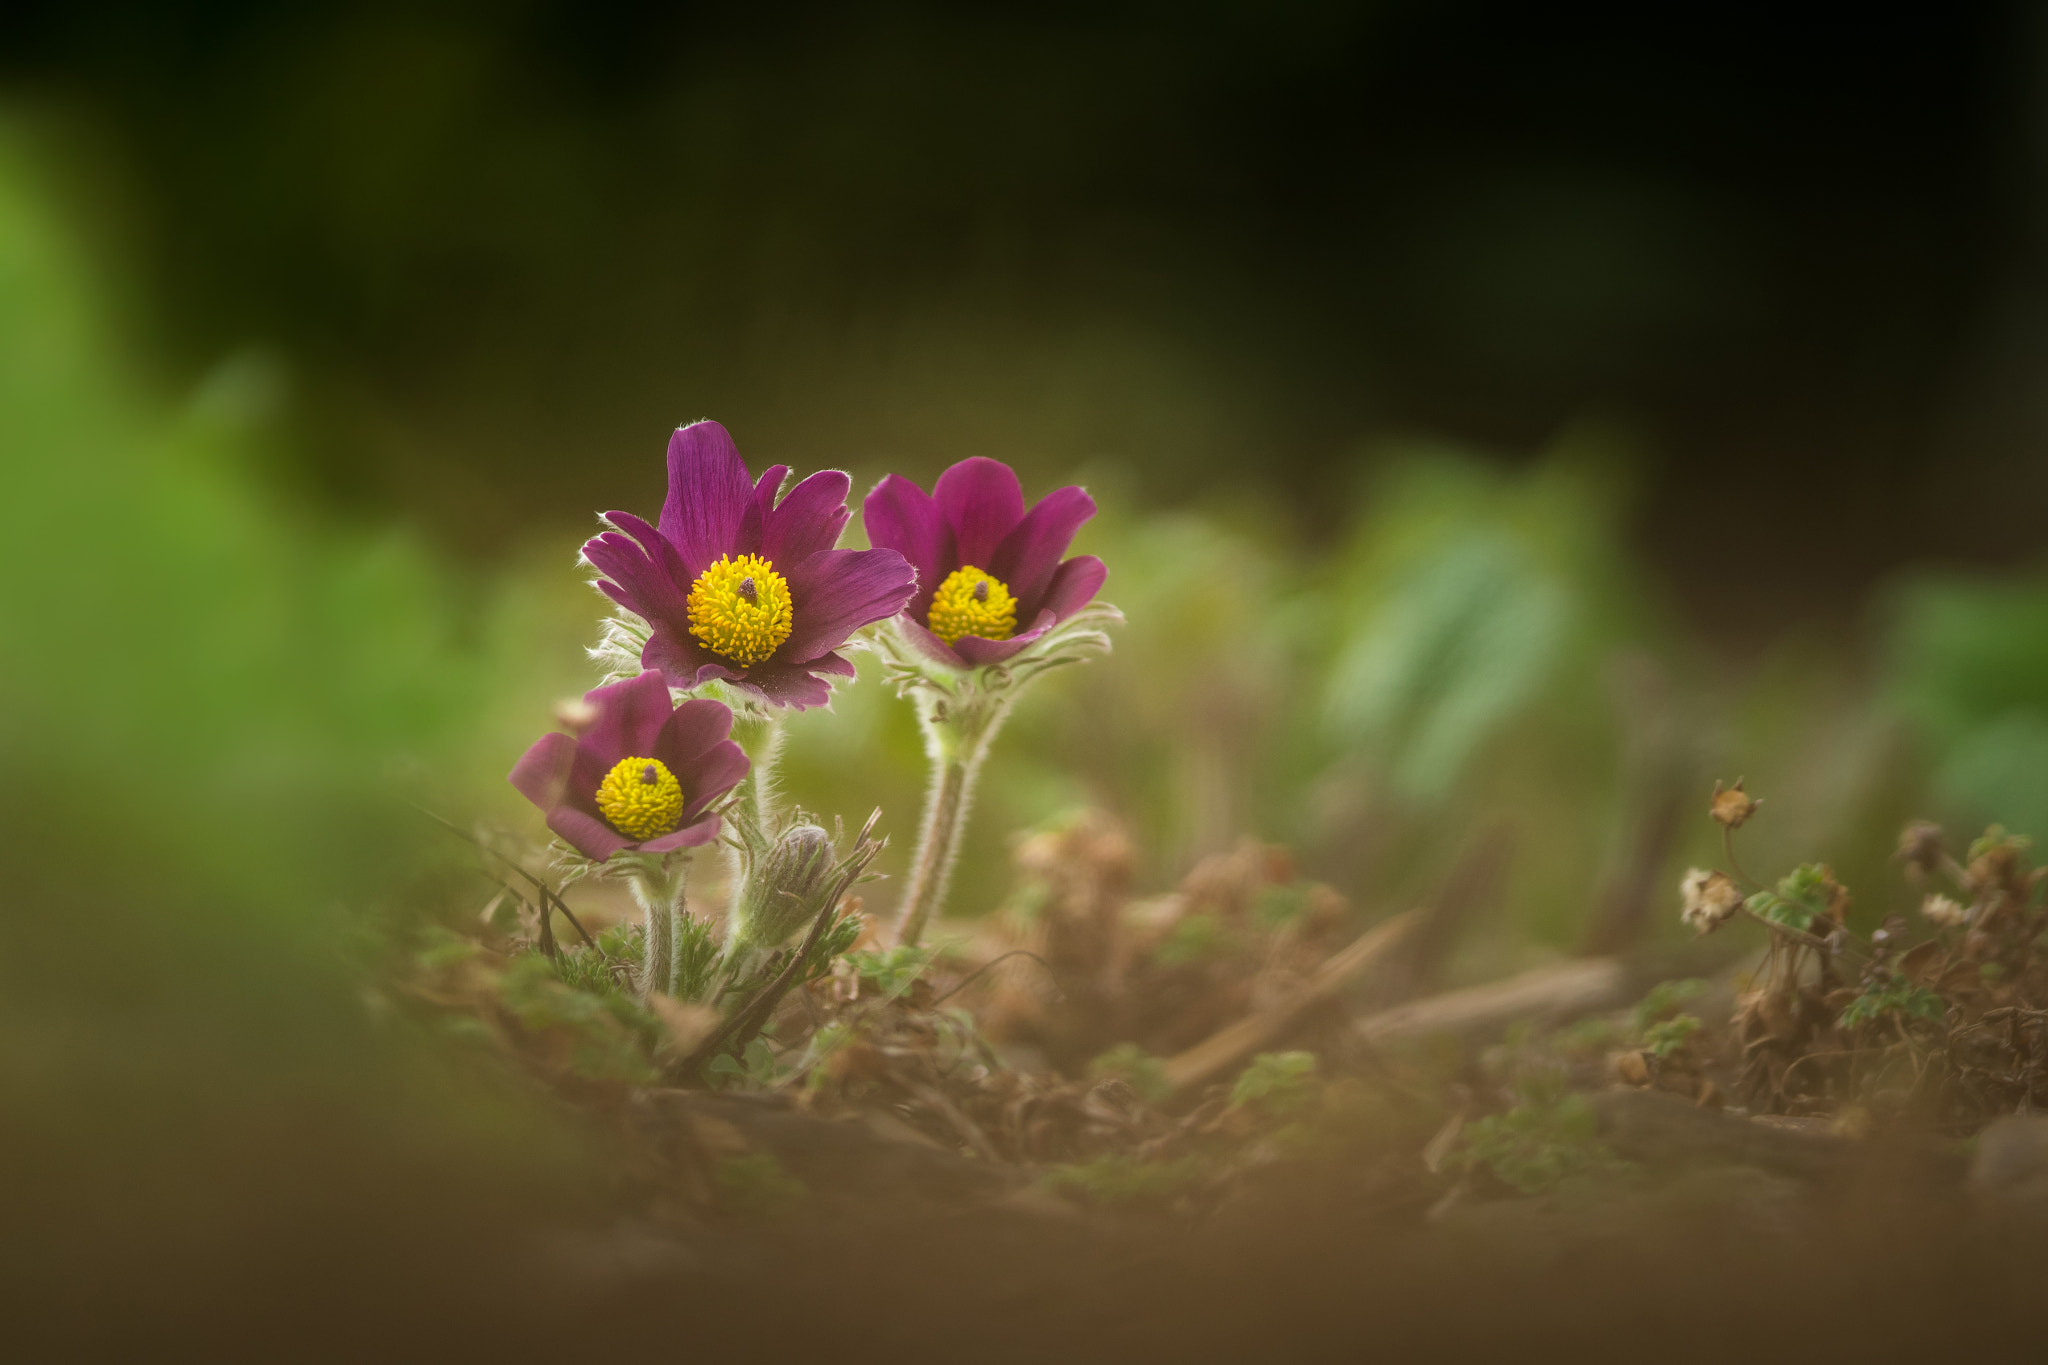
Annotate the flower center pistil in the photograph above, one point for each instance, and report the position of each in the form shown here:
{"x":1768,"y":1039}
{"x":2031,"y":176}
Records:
{"x":641,"y":798}
{"x":970,"y":602}
{"x":740,"y":609}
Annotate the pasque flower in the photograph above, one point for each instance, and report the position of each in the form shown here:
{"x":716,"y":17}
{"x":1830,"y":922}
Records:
{"x":990,"y":576}
{"x":738,"y":586}
{"x":640,"y":776}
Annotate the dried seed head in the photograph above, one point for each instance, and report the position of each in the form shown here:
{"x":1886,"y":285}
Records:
{"x":1945,"y":911}
{"x":1731,"y":806}
{"x":1709,"y":899}
{"x":1921,"y":848}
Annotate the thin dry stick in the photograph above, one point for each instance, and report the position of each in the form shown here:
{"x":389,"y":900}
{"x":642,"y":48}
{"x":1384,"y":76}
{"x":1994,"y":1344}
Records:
{"x":1220,"y":1051}
{"x":968,"y":979}
{"x":548,"y":896}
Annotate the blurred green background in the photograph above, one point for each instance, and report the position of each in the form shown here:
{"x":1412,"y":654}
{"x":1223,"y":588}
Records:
{"x":1502,"y":421}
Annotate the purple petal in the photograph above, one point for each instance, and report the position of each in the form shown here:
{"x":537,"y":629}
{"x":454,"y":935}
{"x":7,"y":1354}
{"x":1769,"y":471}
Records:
{"x":642,"y":570}
{"x":902,"y":517}
{"x":689,"y":836}
{"x":542,"y":772}
{"x":768,"y":487}
{"x":808,"y":521}
{"x":1026,"y":559}
{"x":977,"y":652}
{"x":585,"y":833}
{"x":929,"y":644}
{"x":709,"y":495}
{"x":688,"y":733}
{"x":836,"y":592}
{"x":687,"y":663}
{"x":837,"y":664}
{"x":790,"y":685}
{"x":630,"y":716}
{"x":983,"y":502}
{"x":712,"y":774}
{"x":1074,"y":585}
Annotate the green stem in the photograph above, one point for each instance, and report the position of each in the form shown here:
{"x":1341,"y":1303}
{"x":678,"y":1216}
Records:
{"x":659,"y":889}
{"x":760,"y":737}
{"x":957,"y":734}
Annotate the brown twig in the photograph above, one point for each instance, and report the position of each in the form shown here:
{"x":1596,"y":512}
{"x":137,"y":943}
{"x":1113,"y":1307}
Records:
{"x":968,"y":979}
{"x":547,"y":893}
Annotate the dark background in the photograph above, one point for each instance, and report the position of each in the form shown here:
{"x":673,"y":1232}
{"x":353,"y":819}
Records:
{"x":1794,"y":252}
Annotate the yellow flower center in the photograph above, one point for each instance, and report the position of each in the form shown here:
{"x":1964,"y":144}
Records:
{"x":641,"y":798}
{"x":969,"y":602}
{"x":739,"y":608}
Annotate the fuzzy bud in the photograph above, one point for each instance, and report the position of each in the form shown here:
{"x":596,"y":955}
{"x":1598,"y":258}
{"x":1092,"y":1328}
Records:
{"x":1709,"y":898}
{"x":786,"y":892}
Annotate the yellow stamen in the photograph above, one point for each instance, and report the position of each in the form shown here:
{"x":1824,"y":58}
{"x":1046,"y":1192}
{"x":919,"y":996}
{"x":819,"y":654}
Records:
{"x":970,"y":602}
{"x":641,"y":798}
{"x":740,"y":609}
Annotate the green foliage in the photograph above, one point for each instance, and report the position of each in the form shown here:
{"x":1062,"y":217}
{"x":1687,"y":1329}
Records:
{"x":1669,"y":1035}
{"x":1893,"y":996}
{"x":1279,"y":905}
{"x":607,"y":968}
{"x":758,"y":1068}
{"x":1662,"y":999}
{"x":1277,"y":1083}
{"x":613,"y":1033}
{"x":891,"y":971}
{"x":697,"y":959}
{"x":1123,"y":1179}
{"x":757,"y":1184}
{"x":1145,"y":1073}
{"x":1550,"y":1136}
{"x":1195,"y":938}
{"x":1798,"y":900}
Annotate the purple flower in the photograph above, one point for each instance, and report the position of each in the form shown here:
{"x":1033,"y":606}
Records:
{"x":639,"y":776}
{"x":741,"y":587}
{"x":984,"y":564}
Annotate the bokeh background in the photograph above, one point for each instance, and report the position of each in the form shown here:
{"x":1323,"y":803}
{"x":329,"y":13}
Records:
{"x":1506,"y":420}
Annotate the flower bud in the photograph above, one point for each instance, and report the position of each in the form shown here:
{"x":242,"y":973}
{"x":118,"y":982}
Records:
{"x":787,"y":890}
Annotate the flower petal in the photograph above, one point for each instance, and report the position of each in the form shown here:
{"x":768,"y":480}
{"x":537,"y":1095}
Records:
{"x":690,"y":731}
{"x":585,"y":833}
{"x":709,"y":495}
{"x":930,"y":645}
{"x":983,"y":502}
{"x":687,"y":663}
{"x":836,"y":592}
{"x":630,"y":716}
{"x":542,"y":772}
{"x":808,"y":521}
{"x":791,"y":685}
{"x":836,"y":664}
{"x":1028,"y":556}
{"x":902,"y":517}
{"x":768,"y":487}
{"x":713,"y":773}
{"x":1074,"y":585}
{"x":689,"y":836}
{"x":646,"y":574}
{"x":977,"y":652}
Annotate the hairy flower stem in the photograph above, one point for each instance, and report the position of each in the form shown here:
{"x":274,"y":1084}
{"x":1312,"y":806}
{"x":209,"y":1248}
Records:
{"x":659,"y":888}
{"x":957,"y":733}
{"x":761,"y":739}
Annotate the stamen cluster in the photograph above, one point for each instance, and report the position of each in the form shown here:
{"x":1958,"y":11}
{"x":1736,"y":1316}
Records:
{"x":740,"y":609}
{"x":640,"y":798}
{"x":971,"y":602}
